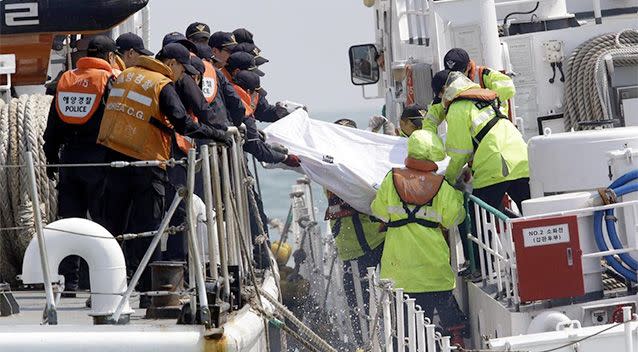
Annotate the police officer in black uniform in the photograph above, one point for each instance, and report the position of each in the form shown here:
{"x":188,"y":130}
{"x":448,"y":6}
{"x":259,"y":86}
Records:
{"x":129,"y":47}
{"x":198,"y":32}
{"x":264,"y":111}
{"x":70,"y":137}
{"x":135,"y":195}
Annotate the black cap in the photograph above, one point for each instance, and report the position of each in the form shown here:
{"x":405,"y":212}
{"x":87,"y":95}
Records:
{"x":177,"y":37}
{"x":198,"y":30}
{"x":438,"y":81}
{"x":247,"y":80}
{"x":253,"y":50}
{"x":222,"y":40}
{"x":456,"y":59}
{"x":414,"y":112}
{"x":204,"y":51}
{"x":243,"y":61}
{"x":178,"y":52}
{"x":101,"y":44}
{"x":198,"y":64}
{"x":133,"y":41}
{"x":242,"y":35}
{"x":346,"y":122}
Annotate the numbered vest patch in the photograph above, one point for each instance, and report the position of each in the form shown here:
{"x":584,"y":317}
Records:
{"x":209,"y":82}
{"x":209,"y":87}
{"x":80,"y":91}
{"x":76,"y":105}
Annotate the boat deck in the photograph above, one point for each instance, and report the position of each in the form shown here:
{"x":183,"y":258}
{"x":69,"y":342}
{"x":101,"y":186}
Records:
{"x":71,"y":311}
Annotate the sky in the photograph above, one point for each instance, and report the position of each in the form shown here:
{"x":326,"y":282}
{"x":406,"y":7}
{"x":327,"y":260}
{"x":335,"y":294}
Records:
{"x":306,"y":42}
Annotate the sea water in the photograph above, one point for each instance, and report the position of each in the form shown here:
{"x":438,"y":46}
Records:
{"x":276,"y":184}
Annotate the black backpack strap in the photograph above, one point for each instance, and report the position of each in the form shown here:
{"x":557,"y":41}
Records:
{"x":336,"y":227}
{"x":411,"y":219}
{"x":361,"y":235}
{"x":496,"y":106}
{"x":358,"y":230}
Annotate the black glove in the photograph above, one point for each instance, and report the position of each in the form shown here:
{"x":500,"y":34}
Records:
{"x":281,"y":111}
{"x":220,"y":126}
{"x":220,"y":137}
{"x":262,"y":135}
{"x":279,"y":148}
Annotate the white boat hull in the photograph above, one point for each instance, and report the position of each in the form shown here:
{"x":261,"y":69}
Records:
{"x":244,"y":332}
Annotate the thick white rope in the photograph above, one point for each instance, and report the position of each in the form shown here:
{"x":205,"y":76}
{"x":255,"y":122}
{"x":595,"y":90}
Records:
{"x":621,"y":57}
{"x":6,"y":216}
{"x":582,"y":95}
{"x":5,"y":203}
{"x":22,"y":124}
{"x":24,"y":213}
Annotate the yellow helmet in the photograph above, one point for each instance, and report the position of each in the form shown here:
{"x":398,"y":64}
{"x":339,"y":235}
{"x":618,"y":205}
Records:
{"x":425,"y":145}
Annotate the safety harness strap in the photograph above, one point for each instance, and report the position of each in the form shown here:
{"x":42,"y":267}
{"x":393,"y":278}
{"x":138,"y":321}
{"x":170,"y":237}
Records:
{"x":361,"y":236}
{"x":358,"y":230}
{"x":490,"y":124}
{"x":412,"y":219}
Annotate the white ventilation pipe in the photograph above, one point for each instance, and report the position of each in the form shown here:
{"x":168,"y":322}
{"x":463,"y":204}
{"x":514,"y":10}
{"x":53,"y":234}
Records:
{"x":92,"y":242}
{"x":547,"y":321}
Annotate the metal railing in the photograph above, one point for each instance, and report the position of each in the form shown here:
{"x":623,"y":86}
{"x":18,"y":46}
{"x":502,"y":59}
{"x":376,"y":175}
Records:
{"x":495,"y":248}
{"x":494,"y":240}
{"x":394,"y":319}
{"x":226,"y":184}
{"x":389,"y":321}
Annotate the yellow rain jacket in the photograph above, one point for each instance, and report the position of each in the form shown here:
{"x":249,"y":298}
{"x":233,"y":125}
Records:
{"x":490,"y":79}
{"x":355,"y":233}
{"x":416,"y":203}
{"x":501,"y":155}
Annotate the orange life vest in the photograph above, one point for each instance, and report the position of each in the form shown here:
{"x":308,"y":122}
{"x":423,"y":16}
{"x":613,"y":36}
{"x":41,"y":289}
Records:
{"x":133,"y":123}
{"x":209,"y":82}
{"x":119,"y":64}
{"x":246,"y":99}
{"x":477,"y":70}
{"x":416,"y":184}
{"x":80,"y":91}
{"x":226,"y":74}
{"x":185,"y":143}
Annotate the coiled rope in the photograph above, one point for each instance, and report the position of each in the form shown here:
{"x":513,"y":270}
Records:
{"x":5,"y":205}
{"x":22,"y":124}
{"x":584,"y":95}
